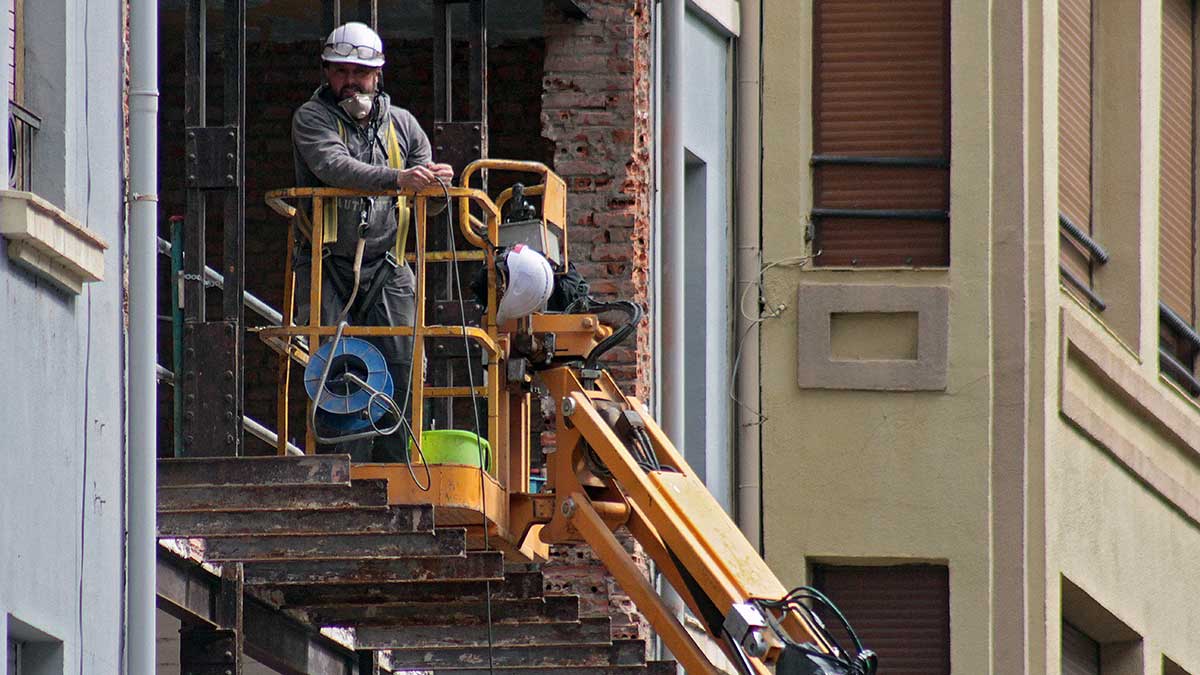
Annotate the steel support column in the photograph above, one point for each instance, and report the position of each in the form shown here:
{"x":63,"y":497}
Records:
{"x":459,"y":142}
{"x":205,"y":649}
{"x":211,"y":378}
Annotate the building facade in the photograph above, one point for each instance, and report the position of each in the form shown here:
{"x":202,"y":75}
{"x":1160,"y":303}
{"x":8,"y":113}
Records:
{"x":62,"y":344}
{"x":979,"y":427}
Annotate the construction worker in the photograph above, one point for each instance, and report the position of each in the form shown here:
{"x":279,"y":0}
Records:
{"x":349,"y":135}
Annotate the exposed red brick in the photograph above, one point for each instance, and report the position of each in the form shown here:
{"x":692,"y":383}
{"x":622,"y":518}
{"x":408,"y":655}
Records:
{"x":595,"y":108}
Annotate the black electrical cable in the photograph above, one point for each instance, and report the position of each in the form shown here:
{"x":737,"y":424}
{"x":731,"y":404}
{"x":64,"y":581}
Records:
{"x":864,"y":661}
{"x":632,"y":309}
{"x":483,"y":459}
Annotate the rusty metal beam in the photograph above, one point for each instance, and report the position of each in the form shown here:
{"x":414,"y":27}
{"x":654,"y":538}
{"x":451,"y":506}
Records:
{"x":591,"y":631}
{"x":209,"y":651}
{"x":315,"y":469}
{"x":487,"y":565}
{"x":522,"y":586}
{"x":652,"y":668}
{"x":216,"y":499}
{"x":356,"y":547}
{"x":372,"y":520}
{"x":554,"y":608}
{"x":188,"y":592}
{"x":619,"y":653}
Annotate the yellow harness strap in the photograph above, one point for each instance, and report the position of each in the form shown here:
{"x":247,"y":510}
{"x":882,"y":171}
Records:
{"x":395,"y":161}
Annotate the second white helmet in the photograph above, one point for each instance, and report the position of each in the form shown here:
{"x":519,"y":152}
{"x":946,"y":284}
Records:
{"x":530,"y":283}
{"x":353,"y":42}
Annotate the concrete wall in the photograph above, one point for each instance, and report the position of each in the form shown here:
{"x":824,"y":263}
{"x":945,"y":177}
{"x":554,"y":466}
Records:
{"x":878,"y":476}
{"x":61,"y":491}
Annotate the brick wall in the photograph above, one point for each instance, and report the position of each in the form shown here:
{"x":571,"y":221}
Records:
{"x":595,"y":107}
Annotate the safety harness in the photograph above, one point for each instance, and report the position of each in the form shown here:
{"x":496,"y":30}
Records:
{"x":395,"y":258}
{"x":395,"y":160}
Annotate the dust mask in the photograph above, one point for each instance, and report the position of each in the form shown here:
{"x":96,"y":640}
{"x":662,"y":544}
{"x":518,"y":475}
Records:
{"x":358,"y":106}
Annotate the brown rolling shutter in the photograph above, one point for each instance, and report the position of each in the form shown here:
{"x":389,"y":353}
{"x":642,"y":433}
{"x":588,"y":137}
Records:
{"x":1080,"y":653}
{"x":1177,"y":241}
{"x":901,"y":613}
{"x":881,"y":125}
{"x":1075,"y":129}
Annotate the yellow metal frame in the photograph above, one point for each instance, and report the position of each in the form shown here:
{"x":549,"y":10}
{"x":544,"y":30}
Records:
{"x":681,"y":526}
{"x":461,"y":492}
{"x":671,"y":513}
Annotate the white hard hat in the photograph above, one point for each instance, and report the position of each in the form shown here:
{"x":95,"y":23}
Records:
{"x":353,"y":42}
{"x":530,"y":283}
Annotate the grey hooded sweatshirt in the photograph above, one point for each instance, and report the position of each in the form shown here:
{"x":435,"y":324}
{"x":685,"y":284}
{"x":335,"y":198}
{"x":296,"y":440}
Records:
{"x":360,"y":162}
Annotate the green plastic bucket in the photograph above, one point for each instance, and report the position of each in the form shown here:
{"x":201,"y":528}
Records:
{"x":453,"y":446}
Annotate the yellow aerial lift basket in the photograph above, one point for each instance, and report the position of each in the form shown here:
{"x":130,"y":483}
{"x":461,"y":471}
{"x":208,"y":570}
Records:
{"x":611,"y":466}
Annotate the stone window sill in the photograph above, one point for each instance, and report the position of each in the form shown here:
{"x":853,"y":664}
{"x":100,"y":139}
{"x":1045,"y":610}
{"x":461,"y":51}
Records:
{"x":49,"y":242}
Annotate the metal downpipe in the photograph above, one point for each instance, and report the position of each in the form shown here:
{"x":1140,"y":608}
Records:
{"x":143,"y":309}
{"x":748,"y":239}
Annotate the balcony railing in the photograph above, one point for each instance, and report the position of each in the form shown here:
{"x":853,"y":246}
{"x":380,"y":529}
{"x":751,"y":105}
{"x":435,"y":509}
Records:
{"x":23,"y":126}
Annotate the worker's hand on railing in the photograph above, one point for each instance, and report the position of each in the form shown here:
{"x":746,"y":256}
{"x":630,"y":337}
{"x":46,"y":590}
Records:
{"x":420,"y":177}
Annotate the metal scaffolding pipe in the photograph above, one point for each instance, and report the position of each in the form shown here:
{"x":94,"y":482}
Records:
{"x":252,"y":302}
{"x":248,"y":423}
{"x":142,"y":442}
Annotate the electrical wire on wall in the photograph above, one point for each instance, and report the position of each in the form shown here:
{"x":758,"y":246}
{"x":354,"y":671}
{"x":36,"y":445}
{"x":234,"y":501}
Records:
{"x":87,"y":348}
{"x":765,"y":310}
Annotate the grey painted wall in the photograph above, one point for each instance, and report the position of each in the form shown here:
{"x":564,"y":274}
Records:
{"x":708,"y":240}
{"x":61,"y":426}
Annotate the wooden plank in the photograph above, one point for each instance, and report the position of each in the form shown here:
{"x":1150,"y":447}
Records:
{"x":216,"y":499}
{"x":591,"y":631}
{"x":472,"y":566}
{"x":254,"y":548}
{"x":551,"y":609}
{"x":314,"y":469}
{"x":373,"y":520}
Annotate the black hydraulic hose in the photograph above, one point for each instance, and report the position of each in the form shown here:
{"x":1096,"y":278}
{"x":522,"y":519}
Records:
{"x":632,"y":310}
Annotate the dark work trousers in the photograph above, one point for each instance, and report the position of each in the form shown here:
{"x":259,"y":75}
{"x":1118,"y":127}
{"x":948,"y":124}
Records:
{"x":394,"y":305}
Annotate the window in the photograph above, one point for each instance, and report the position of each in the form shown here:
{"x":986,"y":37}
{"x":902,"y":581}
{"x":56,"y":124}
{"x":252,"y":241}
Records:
{"x":22,"y":124}
{"x":1075,"y":83}
{"x":1178,"y":341}
{"x":14,"y":657}
{"x":1094,"y":641}
{"x":881,"y":126}
{"x":872,"y":598}
{"x":1080,"y":653}
{"x":1169,"y":667}
{"x":1099,"y":188}
{"x":32,"y":652}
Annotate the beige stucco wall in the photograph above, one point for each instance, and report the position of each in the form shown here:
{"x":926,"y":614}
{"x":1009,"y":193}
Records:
{"x":869,"y":476}
{"x":863,"y":477}
{"x":1123,"y":477}
{"x":1122,"y":450}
